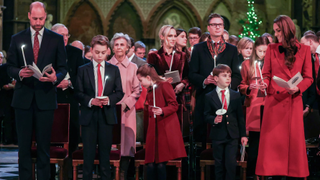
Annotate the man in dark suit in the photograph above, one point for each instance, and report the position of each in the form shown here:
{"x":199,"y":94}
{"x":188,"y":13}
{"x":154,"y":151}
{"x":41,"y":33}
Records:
{"x":34,"y":99}
{"x":227,"y":127}
{"x":133,"y":57}
{"x":98,"y":89}
{"x":201,"y":65}
{"x":65,"y":91}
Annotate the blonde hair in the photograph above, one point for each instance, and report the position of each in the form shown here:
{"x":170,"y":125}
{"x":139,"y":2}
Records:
{"x":163,"y":32}
{"x":243,"y":43}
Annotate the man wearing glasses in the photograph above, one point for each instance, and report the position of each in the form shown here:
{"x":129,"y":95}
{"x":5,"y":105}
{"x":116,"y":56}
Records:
{"x":194,"y":35}
{"x":65,"y":91}
{"x":205,"y":56}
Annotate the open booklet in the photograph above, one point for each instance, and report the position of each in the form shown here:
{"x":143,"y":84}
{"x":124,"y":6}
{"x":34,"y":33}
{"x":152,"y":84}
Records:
{"x":37,"y":73}
{"x":293,"y":82}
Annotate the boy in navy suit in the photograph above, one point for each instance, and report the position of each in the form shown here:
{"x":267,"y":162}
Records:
{"x":98,"y":89}
{"x":227,"y":128}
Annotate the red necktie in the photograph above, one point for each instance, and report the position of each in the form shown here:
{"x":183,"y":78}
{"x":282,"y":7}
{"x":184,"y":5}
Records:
{"x":100,"y":86}
{"x":223,"y":98}
{"x":216,"y":48}
{"x":316,"y":68}
{"x":36,"y":47}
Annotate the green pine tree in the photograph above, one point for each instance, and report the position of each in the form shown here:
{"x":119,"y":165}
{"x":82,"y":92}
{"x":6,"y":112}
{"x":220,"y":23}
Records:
{"x":250,"y":25}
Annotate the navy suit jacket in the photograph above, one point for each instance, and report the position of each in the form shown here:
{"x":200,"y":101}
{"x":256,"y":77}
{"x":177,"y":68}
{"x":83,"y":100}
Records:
{"x":52,"y":50}
{"x":232,"y":122}
{"x":85,"y":90}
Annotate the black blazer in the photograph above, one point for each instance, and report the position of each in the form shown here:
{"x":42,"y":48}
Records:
{"x":85,"y":90}
{"x":232,"y":122}
{"x":309,"y":96}
{"x":74,"y":61}
{"x":52,"y":50}
{"x":202,"y":64}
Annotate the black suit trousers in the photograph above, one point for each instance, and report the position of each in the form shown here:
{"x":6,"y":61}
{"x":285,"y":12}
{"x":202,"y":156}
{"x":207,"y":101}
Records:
{"x":40,"y":121}
{"x":97,"y":131}
{"x":225,"y":156}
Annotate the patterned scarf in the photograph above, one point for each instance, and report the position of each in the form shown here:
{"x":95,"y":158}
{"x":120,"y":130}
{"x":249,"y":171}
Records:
{"x":218,"y":48}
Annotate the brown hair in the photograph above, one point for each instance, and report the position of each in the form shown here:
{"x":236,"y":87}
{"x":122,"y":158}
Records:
{"x":312,"y":37}
{"x":148,"y":70}
{"x":195,"y":30}
{"x":309,"y":32}
{"x":214,"y":15}
{"x":289,"y":40}
{"x":221,"y":68}
{"x":233,"y":40}
{"x":184,"y":49}
{"x":204,"y":36}
{"x":101,"y":40}
{"x":259,"y":41}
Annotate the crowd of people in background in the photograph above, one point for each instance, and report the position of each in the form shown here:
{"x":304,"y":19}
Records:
{"x":202,"y":72}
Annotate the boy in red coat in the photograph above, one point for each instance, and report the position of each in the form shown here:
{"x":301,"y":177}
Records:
{"x":223,"y":111}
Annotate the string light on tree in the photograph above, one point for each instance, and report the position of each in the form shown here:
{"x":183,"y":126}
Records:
{"x":250,"y":25}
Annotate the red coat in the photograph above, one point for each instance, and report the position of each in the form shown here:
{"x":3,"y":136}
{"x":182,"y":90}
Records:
{"x":282,"y":148}
{"x":252,"y":101}
{"x":164,"y":140}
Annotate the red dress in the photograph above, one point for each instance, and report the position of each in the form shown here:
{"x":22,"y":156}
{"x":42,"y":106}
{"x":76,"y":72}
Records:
{"x":282,"y":148}
{"x":164,"y":140}
{"x":252,"y":101}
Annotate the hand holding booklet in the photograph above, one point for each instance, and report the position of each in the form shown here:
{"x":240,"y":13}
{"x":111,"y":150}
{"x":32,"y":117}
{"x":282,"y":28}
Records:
{"x":293,"y":82}
{"x":37,"y":73}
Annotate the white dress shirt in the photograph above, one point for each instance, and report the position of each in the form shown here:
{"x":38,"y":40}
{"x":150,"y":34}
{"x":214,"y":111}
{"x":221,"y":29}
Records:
{"x":102,"y":70}
{"x":40,"y":35}
{"x":226,"y":93}
{"x":318,"y":51}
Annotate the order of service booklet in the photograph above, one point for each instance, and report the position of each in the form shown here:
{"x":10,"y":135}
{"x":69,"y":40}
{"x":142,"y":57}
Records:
{"x":37,"y":73}
{"x":293,"y":82}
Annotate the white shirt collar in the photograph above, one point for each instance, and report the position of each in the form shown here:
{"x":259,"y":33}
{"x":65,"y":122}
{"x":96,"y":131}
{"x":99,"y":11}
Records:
{"x":33,"y":31}
{"x":219,"y":89}
{"x":95,"y":64}
{"x":318,"y":49}
{"x":131,"y":57}
{"x":214,"y":41}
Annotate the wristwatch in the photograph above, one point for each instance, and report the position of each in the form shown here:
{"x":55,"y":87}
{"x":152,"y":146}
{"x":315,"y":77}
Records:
{"x":55,"y":82}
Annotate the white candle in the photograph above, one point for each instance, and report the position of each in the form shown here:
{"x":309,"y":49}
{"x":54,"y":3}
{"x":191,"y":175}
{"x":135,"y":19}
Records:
{"x":215,"y":60}
{"x":154,"y":97}
{"x":255,"y":72}
{"x":261,"y":77}
{"x":24,"y":58}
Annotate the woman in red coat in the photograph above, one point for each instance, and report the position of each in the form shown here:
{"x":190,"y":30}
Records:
{"x":161,"y":60}
{"x":282,"y":148}
{"x":250,"y":72}
{"x":164,"y":138}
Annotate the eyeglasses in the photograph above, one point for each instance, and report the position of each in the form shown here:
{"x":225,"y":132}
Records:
{"x":216,"y":25}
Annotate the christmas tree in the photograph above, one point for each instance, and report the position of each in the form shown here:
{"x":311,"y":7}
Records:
{"x":250,"y":25}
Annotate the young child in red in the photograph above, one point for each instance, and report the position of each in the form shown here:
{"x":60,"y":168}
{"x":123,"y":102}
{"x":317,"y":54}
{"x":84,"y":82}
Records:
{"x":164,"y":140}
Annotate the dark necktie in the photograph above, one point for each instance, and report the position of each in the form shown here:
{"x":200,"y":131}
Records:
{"x":36,"y":47}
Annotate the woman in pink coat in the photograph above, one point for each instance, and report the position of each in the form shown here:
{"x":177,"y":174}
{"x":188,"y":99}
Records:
{"x":282,"y":148}
{"x":120,"y":43}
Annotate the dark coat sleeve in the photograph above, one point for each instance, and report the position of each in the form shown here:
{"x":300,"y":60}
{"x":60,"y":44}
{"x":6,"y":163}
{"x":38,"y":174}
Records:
{"x":117,"y":94}
{"x":194,"y":69}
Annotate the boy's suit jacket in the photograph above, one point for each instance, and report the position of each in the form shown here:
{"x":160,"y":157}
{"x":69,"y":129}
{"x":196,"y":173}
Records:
{"x":232,"y":122}
{"x":85,"y":90}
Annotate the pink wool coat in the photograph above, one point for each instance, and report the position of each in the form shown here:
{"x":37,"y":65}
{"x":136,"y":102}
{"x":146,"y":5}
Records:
{"x":131,"y":89}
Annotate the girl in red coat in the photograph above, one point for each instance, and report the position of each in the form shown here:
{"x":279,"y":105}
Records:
{"x":282,"y":148}
{"x":164,"y":139}
{"x":249,"y":87}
